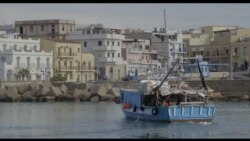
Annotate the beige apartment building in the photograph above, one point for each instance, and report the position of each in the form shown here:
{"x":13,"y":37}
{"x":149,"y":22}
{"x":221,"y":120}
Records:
{"x":218,"y":45}
{"x":54,"y":28}
{"x":69,"y":61}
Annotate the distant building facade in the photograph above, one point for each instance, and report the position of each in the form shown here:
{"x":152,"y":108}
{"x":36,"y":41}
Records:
{"x":8,"y":28}
{"x":69,"y":60}
{"x":18,"y":54}
{"x":140,"y":57}
{"x":218,"y":44}
{"x":54,"y":28}
{"x":105,"y":44}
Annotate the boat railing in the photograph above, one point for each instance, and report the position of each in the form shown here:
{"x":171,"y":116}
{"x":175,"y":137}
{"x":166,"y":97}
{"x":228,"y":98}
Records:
{"x":192,"y":103}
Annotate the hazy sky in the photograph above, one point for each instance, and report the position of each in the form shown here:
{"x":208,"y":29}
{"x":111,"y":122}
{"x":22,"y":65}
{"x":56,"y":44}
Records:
{"x":144,"y":16}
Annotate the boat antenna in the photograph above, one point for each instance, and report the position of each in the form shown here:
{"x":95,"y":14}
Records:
{"x":202,"y":77}
{"x":203,"y":82}
{"x":158,"y":87}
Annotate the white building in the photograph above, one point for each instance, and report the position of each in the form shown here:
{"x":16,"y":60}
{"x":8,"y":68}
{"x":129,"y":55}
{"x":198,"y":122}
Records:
{"x":17,"y":55}
{"x":140,"y":57}
{"x":169,"y":47}
{"x":105,"y":44}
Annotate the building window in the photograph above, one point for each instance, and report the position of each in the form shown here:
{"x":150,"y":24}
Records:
{"x":245,"y":51}
{"x":236,"y":51}
{"x":28,"y":62}
{"x":71,"y":75}
{"x":18,"y":62}
{"x":147,"y":47}
{"x":108,"y":54}
{"x":35,"y":48}
{"x":65,"y":63}
{"x":38,"y":62}
{"x":107,"y":43}
{"x":70,"y":64}
{"x":99,"y":43}
{"x":84,"y":64}
{"x":113,"y":43}
{"x":47,"y":59}
{"x":65,"y":75}
{"x":62,"y":27}
{"x":3,"y":59}
{"x":78,"y":49}
{"x":113,"y":55}
{"x":88,"y":31}
{"x":89,"y":66}
{"x":85,"y":44}
{"x":118,"y":55}
{"x":42,"y":27}
{"x":70,"y":52}
{"x":31,"y":28}
{"x":53,"y":29}
{"x":21,"y":30}
{"x":59,"y":65}
{"x":118,"y":43}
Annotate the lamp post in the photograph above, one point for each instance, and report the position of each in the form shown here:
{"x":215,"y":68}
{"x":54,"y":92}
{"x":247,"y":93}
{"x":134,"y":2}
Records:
{"x":231,"y":62}
{"x":43,"y":75}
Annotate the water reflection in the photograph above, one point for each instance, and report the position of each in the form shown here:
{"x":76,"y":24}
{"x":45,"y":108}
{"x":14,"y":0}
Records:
{"x":106,"y":120}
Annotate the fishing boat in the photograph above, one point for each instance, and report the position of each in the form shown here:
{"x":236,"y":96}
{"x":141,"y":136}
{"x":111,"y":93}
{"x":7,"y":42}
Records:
{"x":169,"y":100}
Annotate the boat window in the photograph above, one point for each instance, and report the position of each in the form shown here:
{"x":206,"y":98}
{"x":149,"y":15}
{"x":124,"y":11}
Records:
{"x":148,"y":100}
{"x":122,"y":96}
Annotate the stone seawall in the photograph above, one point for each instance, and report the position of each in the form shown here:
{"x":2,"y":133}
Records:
{"x":42,"y":92}
{"x":104,"y":91}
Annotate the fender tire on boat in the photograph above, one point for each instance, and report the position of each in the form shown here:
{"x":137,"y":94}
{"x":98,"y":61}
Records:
{"x":134,"y":108}
{"x":117,"y":100}
{"x":155,"y":111}
{"x":142,"y":108}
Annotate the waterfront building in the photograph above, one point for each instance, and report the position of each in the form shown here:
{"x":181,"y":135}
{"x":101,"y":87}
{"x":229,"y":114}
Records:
{"x":169,"y":46}
{"x":224,"y":45}
{"x":69,"y":60}
{"x":8,"y":28}
{"x":51,"y":28}
{"x":105,"y":44}
{"x":139,"y":56}
{"x":22,"y":59}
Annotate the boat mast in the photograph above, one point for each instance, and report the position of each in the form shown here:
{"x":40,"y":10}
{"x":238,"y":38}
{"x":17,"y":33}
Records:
{"x":157,"y":88}
{"x":203,"y":80}
{"x":166,"y":39}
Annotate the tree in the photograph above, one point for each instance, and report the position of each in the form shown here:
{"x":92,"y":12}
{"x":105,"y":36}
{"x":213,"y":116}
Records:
{"x":24,"y":73}
{"x":58,"y":77}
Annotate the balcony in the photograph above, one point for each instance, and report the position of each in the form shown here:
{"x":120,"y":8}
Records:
{"x":150,"y":62}
{"x":86,"y":69}
{"x":135,"y":50}
{"x":100,"y":36}
{"x":104,"y":48}
{"x":134,"y":61}
{"x":67,"y":68}
{"x":104,"y":59}
{"x":151,"y":51}
{"x":66,"y":54}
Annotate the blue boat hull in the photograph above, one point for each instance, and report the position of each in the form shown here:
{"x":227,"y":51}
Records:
{"x":187,"y":113}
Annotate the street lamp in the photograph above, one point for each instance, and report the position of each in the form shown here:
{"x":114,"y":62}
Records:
{"x":231,"y":62}
{"x":43,"y":75}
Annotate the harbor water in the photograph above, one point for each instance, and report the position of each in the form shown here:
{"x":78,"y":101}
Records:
{"x":106,"y":120}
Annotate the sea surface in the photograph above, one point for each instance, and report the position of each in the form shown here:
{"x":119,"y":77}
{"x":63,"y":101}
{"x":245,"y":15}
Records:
{"x":106,"y":120}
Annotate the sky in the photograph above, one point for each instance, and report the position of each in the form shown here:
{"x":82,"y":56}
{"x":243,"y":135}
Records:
{"x":136,"y":15}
